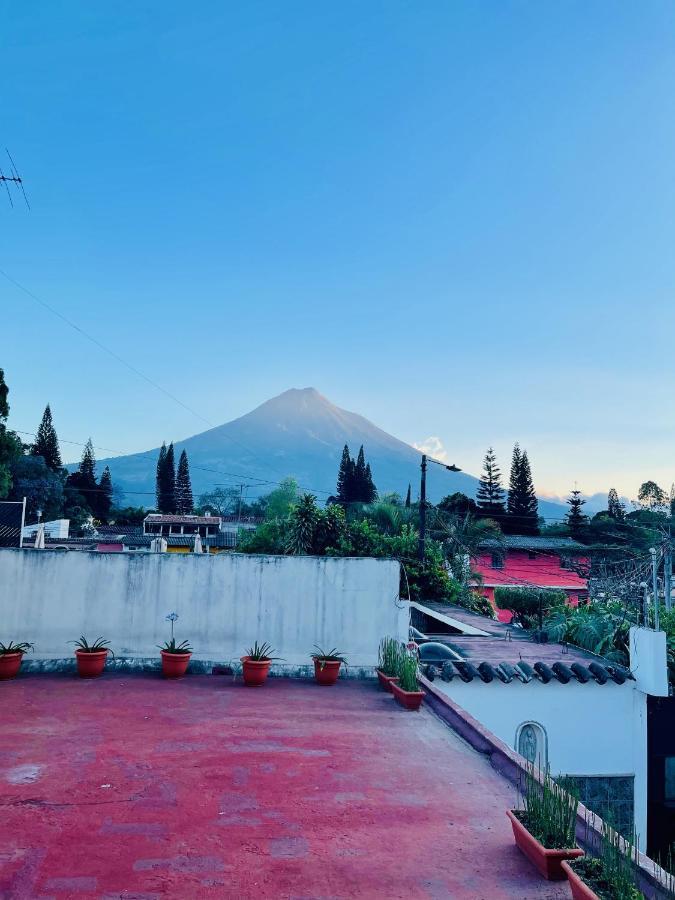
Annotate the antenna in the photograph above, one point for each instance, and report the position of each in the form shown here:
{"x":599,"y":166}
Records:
{"x":13,"y":178}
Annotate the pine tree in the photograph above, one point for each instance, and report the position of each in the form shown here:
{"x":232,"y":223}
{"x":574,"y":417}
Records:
{"x":522,"y":507}
{"x":490,"y":494}
{"x":345,"y":477}
{"x":184,"y":502}
{"x":615,"y":507}
{"x":575,"y":518}
{"x":407,"y":498}
{"x":4,"y":393}
{"x":81,"y":486}
{"x":360,"y":481}
{"x":87,"y":468}
{"x":159,"y":477}
{"x":104,"y":498}
{"x":46,"y":442}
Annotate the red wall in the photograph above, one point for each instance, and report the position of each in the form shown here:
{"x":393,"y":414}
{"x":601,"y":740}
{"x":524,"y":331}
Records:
{"x":521,"y":571}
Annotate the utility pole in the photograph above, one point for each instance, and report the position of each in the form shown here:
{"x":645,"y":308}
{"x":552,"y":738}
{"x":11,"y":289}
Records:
{"x":668,"y":569}
{"x":423,"y":501}
{"x":655,"y":587}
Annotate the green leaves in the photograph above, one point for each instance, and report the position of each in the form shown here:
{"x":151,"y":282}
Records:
{"x":22,"y":647}
{"x":98,"y":645}
{"x":550,"y":812}
{"x":172,"y":647}
{"x":261,"y":652}
{"x":407,"y":672}
{"x":390,"y":654}
{"x":333,"y":655}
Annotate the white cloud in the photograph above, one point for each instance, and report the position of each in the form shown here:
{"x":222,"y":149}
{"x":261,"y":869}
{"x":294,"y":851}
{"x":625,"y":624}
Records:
{"x":433,"y":446}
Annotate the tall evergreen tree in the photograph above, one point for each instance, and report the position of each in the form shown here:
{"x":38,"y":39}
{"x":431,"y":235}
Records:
{"x":170,"y":480}
{"x":46,"y":442}
{"x":184,"y":502}
{"x":575,"y":518}
{"x":522,"y":506}
{"x":11,"y":448}
{"x":370,"y":491}
{"x":490,"y":493}
{"x":360,"y":478}
{"x":81,"y":486}
{"x":159,"y":477}
{"x":87,"y":468}
{"x":104,"y":498}
{"x":407,"y":498}
{"x":615,"y":507}
{"x":345,"y":477}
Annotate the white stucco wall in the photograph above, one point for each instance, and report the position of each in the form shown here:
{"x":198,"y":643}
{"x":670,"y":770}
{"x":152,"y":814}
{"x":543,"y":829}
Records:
{"x":225,"y":602}
{"x":592,"y":729}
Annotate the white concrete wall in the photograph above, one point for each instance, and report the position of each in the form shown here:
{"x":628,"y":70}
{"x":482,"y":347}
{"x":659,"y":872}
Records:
{"x":225,"y":602}
{"x":592,"y":729}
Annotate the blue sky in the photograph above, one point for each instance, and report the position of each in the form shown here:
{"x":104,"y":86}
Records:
{"x":453,"y":218}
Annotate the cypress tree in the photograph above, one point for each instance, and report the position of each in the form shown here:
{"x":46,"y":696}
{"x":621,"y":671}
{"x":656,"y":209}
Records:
{"x":170,"y":481}
{"x":46,"y":442}
{"x":360,"y":492}
{"x":522,"y":506}
{"x":615,"y":507}
{"x":184,"y":501}
{"x":575,"y":518}
{"x":159,"y":478}
{"x":370,"y":491}
{"x":345,"y":477}
{"x":104,"y":497}
{"x":407,"y":498}
{"x":490,"y":494}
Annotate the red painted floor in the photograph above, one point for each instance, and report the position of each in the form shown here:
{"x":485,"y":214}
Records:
{"x":133,"y":787}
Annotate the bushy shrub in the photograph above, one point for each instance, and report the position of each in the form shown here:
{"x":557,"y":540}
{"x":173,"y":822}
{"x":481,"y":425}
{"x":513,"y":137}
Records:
{"x":525,"y":602}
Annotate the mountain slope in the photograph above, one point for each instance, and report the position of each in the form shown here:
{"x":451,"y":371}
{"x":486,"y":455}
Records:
{"x":299,"y":433}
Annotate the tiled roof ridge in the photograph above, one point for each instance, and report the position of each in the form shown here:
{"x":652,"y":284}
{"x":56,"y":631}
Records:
{"x":467,"y":671}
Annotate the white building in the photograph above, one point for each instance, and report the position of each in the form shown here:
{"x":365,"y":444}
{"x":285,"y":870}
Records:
{"x":556,"y":705}
{"x":57,"y":528}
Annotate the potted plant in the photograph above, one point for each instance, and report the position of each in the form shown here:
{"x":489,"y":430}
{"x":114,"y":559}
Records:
{"x":175,"y":657}
{"x":91,"y":657}
{"x":609,"y":877}
{"x":327,"y":665}
{"x":545,"y":828}
{"x":11,"y":656}
{"x":256,"y":664}
{"x":406,"y":688}
{"x":389,"y":655}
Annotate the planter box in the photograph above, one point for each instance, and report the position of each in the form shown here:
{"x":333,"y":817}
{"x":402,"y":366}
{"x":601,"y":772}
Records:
{"x":549,"y":862}
{"x":174,"y":665}
{"x":255,"y":671}
{"x":10,"y":663}
{"x":90,"y":665}
{"x":386,"y":681}
{"x":326,"y":671}
{"x":580,"y":890}
{"x":411,"y":700}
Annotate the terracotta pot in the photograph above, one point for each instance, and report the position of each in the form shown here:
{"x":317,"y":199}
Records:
{"x":547,"y":861}
{"x":90,"y":665}
{"x":255,"y":670}
{"x":580,"y":890}
{"x":10,"y":663}
{"x":385,"y":680}
{"x":326,"y":671}
{"x":174,"y":665}
{"x":407,"y":699}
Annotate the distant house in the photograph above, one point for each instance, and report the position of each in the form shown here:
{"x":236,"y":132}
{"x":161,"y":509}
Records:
{"x":522,"y":561}
{"x":156,"y":524}
{"x":57,"y":528}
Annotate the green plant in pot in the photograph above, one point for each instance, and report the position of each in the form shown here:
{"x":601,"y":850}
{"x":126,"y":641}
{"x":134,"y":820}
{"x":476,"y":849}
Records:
{"x":610,"y":876}
{"x":544,"y":830}
{"x":256,"y":664}
{"x":389,"y":654}
{"x":91,"y":658}
{"x":327,"y":664}
{"x":406,"y":689}
{"x":175,"y":657}
{"x":11,"y":657}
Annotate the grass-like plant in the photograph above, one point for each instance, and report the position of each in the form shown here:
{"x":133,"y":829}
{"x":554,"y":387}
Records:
{"x":261,"y":652}
{"x":171,"y":646}
{"x":390,"y":654}
{"x":407,"y":672}
{"x":99,"y":644}
{"x":21,"y":647}
{"x":611,"y":875}
{"x":549,"y":811}
{"x":333,"y":655}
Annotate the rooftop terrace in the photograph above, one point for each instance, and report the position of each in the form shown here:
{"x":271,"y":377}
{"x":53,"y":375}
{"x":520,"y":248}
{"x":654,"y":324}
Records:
{"x":131,"y":786}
